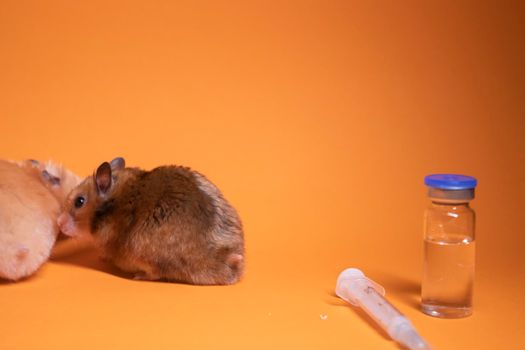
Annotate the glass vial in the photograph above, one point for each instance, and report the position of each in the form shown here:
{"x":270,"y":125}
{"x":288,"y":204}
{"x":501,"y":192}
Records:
{"x":449,"y":246}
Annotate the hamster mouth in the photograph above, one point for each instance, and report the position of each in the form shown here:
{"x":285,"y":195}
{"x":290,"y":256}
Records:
{"x":67,"y":224}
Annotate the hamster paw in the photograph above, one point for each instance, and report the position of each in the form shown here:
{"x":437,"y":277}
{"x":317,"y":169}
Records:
{"x":22,"y":252}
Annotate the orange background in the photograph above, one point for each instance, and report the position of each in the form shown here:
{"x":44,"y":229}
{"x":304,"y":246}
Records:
{"x":317,"y":119}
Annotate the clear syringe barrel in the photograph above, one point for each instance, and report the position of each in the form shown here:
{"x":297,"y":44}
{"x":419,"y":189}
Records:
{"x":355,"y":288}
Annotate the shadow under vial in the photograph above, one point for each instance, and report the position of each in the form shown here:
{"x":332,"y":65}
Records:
{"x":408,"y":291}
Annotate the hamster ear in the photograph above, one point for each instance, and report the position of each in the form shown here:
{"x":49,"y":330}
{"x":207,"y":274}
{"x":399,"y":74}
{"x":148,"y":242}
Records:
{"x":103,"y":178}
{"x":118,"y":163}
{"x":53,"y":180}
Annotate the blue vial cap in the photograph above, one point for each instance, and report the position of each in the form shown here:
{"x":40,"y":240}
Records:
{"x":450,"y":181}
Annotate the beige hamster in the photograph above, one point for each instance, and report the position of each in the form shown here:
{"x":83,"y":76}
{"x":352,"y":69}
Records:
{"x":170,"y":223}
{"x":31,"y":194}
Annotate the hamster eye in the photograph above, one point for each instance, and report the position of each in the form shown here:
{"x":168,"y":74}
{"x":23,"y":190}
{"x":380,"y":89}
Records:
{"x":79,"y":201}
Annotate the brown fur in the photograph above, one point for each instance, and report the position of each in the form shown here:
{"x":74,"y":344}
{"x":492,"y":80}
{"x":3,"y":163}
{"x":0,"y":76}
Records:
{"x":168,"y":223}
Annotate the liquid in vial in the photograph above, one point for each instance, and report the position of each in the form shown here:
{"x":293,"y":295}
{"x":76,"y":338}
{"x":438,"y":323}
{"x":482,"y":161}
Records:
{"x":448,"y":277}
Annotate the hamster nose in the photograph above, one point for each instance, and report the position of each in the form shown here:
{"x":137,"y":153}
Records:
{"x":66,"y":224}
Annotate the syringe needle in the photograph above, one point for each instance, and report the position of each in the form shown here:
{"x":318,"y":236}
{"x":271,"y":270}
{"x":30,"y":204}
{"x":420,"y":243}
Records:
{"x":355,"y":288}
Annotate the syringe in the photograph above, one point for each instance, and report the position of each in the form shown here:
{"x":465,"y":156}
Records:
{"x":355,"y":288}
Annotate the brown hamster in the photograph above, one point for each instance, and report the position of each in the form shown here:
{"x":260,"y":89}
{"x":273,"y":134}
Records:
{"x":31,"y":194}
{"x":170,"y":223}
